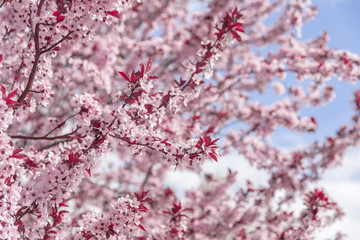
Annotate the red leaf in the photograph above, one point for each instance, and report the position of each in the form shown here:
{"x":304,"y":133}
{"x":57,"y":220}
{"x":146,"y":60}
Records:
{"x":148,"y":65}
{"x":124,"y":75}
{"x":240,"y":30}
{"x":193,"y":155}
{"x":20,"y":211}
{"x":11,"y":102}
{"x":19,"y":156}
{"x":313,"y":120}
{"x":142,"y":70}
{"x":200,"y":64}
{"x":12,"y":94}
{"x":174,"y":231}
{"x":62,"y":212}
{"x":57,"y":13}
{"x":201,"y":141}
{"x":141,"y":227}
{"x":130,"y":101}
{"x":3,"y":91}
{"x":213,"y":156}
{"x":207,"y":141}
{"x":89,"y":171}
{"x":210,"y":129}
{"x":236,"y":36}
{"x":199,"y":70}
{"x":142,"y":208}
{"x":134,"y":78}
{"x":239,"y":25}
{"x":195,"y":117}
{"x":208,"y":54}
{"x":114,"y":13}
{"x":60,"y":18}
{"x":16,"y":151}
{"x":63,"y":205}
{"x":321,"y":64}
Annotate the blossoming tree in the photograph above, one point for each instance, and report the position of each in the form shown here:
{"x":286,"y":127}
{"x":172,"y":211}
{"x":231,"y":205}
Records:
{"x":158,"y":88}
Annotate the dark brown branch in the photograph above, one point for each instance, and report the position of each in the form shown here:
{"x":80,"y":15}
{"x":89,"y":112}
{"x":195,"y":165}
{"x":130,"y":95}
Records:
{"x":28,"y":209}
{"x":38,"y":53}
{"x":57,"y":43}
{"x":34,"y":67}
{"x":41,"y":3}
{"x":65,"y":136}
{"x":150,"y":147}
{"x":37,"y":56}
{"x":140,"y":144}
{"x":148,"y":174}
{"x":3,"y":3}
{"x":61,"y":124}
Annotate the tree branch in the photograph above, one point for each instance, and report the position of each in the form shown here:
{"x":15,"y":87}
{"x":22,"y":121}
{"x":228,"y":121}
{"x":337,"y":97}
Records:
{"x":34,"y":67}
{"x":28,"y":209}
{"x":65,"y":136}
{"x":61,"y":124}
{"x":3,"y":3}
{"x":148,"y":174}
{"x":57,"y":43}
{"x":38,"y":53}
{"x":37,"y":56}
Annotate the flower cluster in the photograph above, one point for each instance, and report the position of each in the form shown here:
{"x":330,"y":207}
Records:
{"x":82,"y":127}
{"x":124,"y":219}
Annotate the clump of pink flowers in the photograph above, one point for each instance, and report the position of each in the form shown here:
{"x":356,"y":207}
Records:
{"x":102,"y":100}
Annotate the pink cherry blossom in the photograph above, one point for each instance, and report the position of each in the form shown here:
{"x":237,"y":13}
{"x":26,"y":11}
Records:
{"x":100,"y":100}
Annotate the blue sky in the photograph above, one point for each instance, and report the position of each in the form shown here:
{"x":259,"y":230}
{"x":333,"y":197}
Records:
{"x":341,"y":19}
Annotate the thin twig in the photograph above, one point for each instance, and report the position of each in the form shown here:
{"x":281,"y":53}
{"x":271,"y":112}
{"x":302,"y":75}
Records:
{"x":57,"y":43}
{"x":148,"y":174}
{"x":65,"y":136}
{"x":25,"y":212}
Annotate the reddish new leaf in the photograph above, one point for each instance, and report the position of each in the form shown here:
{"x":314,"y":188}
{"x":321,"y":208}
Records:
{"x":56,"y":13}
{"x":148,"y":65}
{"x":125,"y":76}
{"x":213,"y":156}
{"x":236,"y":36}
{"x":114,"y":13}
{"x":3,"y":91}
{"x":12,"y":94}
{"x":207,"y":140}
{"x":141,"y":227}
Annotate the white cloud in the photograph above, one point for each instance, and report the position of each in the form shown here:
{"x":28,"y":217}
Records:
{"x":341,"y":183}
{"x":343,"y":186}
{"x":239,"y":164}
{"x":347,"y":195}
{"x":182,"y":180}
